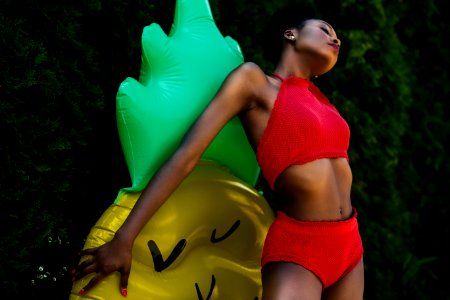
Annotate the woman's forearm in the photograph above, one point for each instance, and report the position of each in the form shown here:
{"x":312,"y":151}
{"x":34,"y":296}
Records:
{"x":161,"y":186}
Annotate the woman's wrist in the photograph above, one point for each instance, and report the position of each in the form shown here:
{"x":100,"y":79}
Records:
{"x":124,"y":238}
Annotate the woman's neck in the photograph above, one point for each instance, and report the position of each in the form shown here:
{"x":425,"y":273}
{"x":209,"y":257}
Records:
{"x":292,"y":64}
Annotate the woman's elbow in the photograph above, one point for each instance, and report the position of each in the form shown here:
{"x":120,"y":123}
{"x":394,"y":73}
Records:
{"x":186,"y":161}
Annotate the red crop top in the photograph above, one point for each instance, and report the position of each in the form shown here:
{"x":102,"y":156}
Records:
{"x":303,"y":126}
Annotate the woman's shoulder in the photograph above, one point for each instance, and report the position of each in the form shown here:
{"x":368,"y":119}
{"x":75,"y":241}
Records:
{"x":251,"y":69}
{"x":252,"y":74}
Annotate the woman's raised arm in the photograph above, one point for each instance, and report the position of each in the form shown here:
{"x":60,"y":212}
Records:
{"x":235,"y":95}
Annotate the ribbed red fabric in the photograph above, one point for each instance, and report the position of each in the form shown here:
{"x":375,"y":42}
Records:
{"x":328,"y":249}
{"x":303,"y":126}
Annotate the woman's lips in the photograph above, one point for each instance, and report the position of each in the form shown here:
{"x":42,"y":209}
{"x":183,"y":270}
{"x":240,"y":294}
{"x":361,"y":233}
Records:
{"x":335,"y":47}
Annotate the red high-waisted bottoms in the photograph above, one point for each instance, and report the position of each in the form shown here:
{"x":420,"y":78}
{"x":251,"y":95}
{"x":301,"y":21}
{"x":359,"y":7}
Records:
{"x":328,"y":249}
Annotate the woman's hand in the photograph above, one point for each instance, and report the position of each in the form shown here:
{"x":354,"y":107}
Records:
{"x":111,"y":257}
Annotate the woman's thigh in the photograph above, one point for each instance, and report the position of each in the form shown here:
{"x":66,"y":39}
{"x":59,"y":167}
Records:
{"x":289,"y":281}
{"x":350,"y":287}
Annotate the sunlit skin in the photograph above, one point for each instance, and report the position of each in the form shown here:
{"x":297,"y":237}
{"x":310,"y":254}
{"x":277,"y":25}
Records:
{"x":315,"y":191}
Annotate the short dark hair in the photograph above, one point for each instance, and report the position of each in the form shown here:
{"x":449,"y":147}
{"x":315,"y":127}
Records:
{"x":289,"y":16}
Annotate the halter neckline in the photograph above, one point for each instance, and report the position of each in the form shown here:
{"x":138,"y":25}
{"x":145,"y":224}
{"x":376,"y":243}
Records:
{"x":298,"y":80}
{"x":278,"y":76}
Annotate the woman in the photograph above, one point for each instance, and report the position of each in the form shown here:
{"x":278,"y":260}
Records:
{"x":313,"y":249}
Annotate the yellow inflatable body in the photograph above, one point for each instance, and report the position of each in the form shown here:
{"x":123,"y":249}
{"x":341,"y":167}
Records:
{"x":205,"y":242}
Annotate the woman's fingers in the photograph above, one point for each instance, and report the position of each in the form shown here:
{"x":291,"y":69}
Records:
{"x":124,"y":282}
{"x":90,"y":251}
{"x":86,"y":267}
{"x":85,"y":263}
{"x":90,"y":284}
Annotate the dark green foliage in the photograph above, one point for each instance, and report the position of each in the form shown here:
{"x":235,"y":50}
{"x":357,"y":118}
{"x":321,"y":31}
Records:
{"x":62,"y":165}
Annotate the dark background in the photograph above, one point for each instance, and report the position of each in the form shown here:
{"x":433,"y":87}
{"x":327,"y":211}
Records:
{"x":62,"y":165}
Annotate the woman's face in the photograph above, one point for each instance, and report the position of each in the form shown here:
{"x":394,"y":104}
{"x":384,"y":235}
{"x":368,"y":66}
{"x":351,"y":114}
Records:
{"x":317,"y":40}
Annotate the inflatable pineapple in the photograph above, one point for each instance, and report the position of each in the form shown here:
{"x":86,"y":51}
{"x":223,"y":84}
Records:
{"x":206,"y":240}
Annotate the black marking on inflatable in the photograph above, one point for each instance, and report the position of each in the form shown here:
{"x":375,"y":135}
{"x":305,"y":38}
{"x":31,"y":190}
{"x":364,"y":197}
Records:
{"x":211,"y":288}
{"x":227,"y":234}
{"x":158,"y":260}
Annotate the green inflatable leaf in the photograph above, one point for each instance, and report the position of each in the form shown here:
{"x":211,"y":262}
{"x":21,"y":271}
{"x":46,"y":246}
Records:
{"x":180,"y":74}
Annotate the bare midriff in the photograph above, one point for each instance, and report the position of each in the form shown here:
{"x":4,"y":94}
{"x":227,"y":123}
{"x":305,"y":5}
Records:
{"x":316,"y":191}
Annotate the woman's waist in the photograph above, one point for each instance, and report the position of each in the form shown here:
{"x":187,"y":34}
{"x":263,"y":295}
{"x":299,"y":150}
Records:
{"x":319,"y":177}
{"x":322,"y":207}
{"x":316,"y":192}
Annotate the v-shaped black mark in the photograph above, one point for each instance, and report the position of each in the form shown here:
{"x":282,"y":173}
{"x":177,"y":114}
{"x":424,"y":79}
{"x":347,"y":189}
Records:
{"x":158,"y":260}
{"x":227,"y":234}
{"x":211,"y":288}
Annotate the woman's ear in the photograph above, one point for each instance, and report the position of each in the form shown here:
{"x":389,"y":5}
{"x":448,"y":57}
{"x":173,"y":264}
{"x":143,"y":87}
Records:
{"x":289,"y":35}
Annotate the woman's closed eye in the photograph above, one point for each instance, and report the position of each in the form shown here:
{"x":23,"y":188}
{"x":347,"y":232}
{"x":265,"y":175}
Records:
{"x":324,"y":29}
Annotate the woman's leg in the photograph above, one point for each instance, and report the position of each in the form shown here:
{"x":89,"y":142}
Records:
{"x":350,"y":287}
{"x":289,"y":281}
